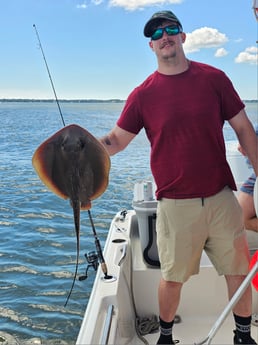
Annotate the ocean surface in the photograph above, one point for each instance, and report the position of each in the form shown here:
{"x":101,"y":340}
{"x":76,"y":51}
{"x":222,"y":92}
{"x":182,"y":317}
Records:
{"x":38,"y":244}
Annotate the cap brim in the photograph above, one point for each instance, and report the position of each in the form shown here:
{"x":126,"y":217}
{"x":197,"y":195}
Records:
{"x":151,"y":25}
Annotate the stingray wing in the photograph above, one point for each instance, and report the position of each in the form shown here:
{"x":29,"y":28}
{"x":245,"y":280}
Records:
{"x":99,"y":161}
{"x":45,"y":163}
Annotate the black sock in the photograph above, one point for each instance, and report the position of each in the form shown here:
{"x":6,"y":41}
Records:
{"x":243,"y":326}
{"x":165,"y":332}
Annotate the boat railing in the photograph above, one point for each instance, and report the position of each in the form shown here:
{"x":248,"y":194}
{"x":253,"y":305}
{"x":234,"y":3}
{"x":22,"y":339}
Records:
{"x":107,"y":325}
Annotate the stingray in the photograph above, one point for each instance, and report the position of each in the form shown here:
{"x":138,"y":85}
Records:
{"x":74,"y":165}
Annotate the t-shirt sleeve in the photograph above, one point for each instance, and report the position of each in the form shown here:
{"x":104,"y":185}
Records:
{"x":231,"y":102}
{"x":130,"y":118}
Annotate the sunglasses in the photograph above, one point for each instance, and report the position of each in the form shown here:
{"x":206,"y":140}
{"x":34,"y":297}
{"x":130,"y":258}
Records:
{"x":171,"y":30}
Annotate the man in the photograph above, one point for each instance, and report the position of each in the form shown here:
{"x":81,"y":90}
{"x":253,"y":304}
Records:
{"x":182,"y":107}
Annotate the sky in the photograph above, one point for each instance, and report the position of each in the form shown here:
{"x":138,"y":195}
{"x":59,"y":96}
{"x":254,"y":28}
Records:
{"x":95,"y":49}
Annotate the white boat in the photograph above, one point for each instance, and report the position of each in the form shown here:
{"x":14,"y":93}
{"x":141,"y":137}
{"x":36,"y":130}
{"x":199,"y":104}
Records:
{"x":123,"y":307}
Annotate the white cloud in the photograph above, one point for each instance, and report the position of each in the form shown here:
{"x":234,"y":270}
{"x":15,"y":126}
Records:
{"x":82,"y":6}
{"x":252,"y":50}
{"x":250,"y":56}
{"x":97,"y":2}
{"x":132,"y":5}
{"x":221,"y":52}
{"x":204,"y":38}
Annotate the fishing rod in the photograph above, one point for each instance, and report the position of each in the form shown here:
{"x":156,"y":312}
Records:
{"x":48,"y":71}
{"x":99,"y":255}
{"x":98,"y":247}
{"x":94,"y":258}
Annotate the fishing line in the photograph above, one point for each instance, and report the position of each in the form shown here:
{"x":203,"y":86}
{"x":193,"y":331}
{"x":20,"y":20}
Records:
{"x":97,"y":243}
{"x":48,"y":71}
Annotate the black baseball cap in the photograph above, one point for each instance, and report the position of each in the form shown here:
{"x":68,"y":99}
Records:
{"x":157,"y":19}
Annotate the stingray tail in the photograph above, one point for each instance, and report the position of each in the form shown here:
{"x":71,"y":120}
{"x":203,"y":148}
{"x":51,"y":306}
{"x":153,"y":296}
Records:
{"x":76,"y":214}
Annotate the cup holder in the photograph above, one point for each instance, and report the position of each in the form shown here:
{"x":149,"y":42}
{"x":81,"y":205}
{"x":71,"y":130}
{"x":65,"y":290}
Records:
{"x":119,"y":240}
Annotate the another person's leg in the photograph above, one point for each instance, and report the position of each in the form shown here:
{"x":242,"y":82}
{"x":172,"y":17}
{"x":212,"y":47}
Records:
{"x":247,"y":204}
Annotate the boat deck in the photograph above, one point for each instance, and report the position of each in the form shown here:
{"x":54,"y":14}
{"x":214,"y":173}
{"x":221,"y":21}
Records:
{"x":188,"y":332}
{"x":115,"y":304}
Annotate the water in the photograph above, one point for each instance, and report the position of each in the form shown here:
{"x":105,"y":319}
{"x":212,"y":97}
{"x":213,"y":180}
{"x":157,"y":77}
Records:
{"x":38,"y":245}
{"x":37,"y":248}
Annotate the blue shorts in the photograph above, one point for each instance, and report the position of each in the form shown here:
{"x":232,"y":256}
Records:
{"x":248,"y":185}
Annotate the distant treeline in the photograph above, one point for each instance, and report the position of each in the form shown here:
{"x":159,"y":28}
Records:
{"x":63,"y":100}
{"x":115,"y":100}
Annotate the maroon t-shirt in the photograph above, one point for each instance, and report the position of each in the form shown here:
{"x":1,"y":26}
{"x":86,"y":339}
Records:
{"x":183,"y":116}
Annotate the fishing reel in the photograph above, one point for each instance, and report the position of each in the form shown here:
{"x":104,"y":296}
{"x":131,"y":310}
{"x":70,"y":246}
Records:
{"x":95,"y":257}
{"x":93,"y":261}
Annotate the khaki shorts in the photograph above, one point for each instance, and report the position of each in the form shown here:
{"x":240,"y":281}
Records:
{"x":187,"y":226}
